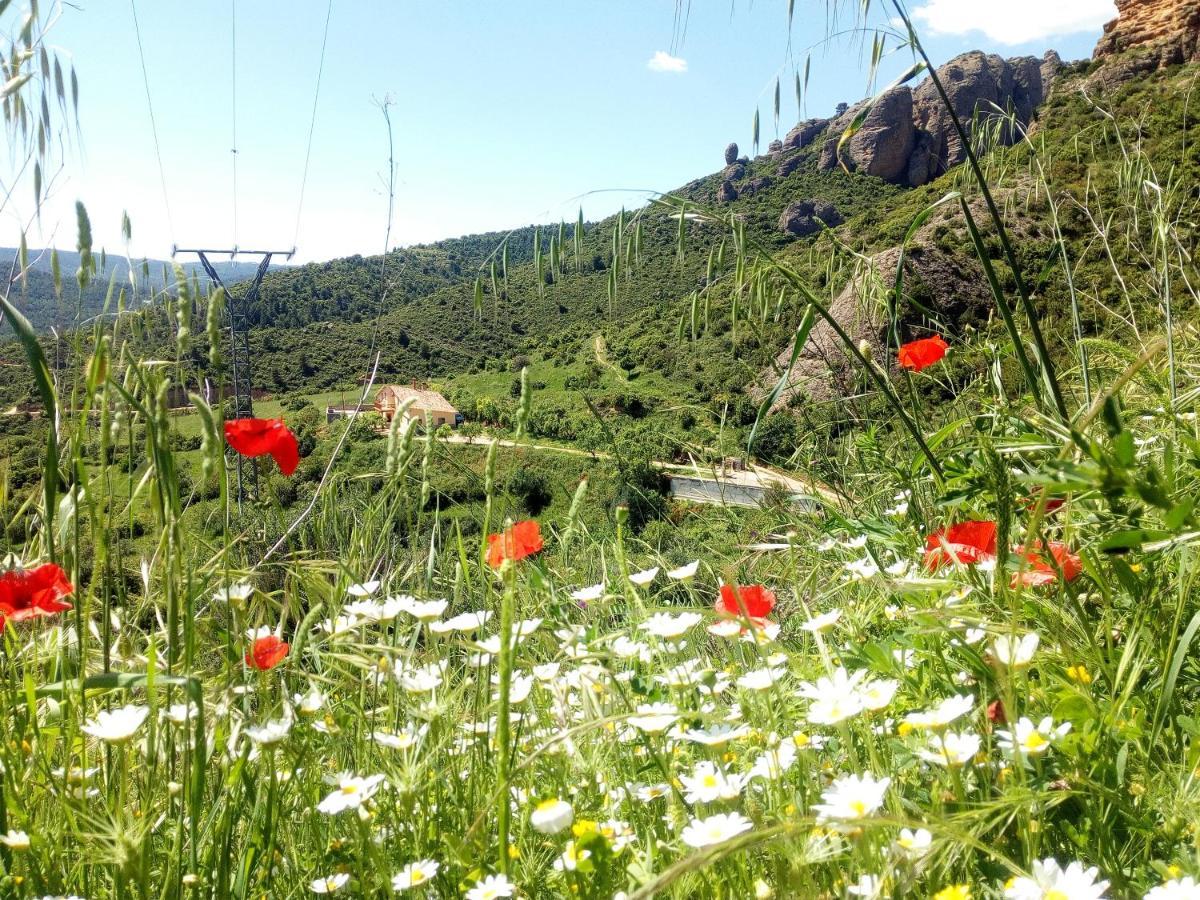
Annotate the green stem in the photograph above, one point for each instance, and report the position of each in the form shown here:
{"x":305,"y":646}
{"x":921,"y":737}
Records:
{"x":503,"y":809}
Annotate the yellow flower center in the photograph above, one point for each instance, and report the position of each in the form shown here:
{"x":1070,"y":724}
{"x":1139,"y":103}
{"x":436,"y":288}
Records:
{"x":417,"y":876}
{"x":710,"y":781}
{"x":349,"y":788}
{"x":1035,"y":741}
{"x":1055,"y":895}
{"x":546,"y":804}
{"x":858,"y":808}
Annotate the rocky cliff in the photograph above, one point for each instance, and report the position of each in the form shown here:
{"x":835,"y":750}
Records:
{"x":1148,"y":35}
{"x":909,"y":137}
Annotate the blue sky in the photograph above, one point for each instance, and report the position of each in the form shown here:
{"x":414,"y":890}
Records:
{"x":504,"y":113}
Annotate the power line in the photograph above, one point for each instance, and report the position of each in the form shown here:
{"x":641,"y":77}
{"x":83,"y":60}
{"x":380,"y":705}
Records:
{"x":312,"y":124}
{"x":162,"y":177}
{"x":233,"y":79}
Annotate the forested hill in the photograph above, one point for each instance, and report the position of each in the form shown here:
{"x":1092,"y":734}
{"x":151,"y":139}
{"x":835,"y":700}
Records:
{"x":622,"y":279}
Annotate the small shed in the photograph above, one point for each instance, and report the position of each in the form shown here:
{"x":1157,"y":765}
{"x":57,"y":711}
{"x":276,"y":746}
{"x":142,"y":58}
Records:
{"x":424,"y":404}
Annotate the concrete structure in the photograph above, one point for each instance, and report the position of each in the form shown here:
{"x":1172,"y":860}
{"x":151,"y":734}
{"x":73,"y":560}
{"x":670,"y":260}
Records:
{"x":421,"y":404}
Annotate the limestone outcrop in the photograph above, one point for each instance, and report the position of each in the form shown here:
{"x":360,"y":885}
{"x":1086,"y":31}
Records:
{"x":1148,"y":35}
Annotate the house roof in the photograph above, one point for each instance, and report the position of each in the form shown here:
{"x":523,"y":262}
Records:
{"x":421,"y":399}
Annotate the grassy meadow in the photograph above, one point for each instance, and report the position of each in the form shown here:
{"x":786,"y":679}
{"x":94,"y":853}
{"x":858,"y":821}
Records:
{"x":420,"y":669}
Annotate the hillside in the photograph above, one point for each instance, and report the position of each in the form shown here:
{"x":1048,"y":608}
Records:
{"x":671,"y":350}
{"x":49,"y":301}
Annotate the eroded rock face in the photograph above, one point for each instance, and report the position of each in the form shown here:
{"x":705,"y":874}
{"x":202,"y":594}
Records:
{"x":976,"y":84}
{"x":731,"y":154}
{"x":909,"y":137}
{"x":1149,"y":35}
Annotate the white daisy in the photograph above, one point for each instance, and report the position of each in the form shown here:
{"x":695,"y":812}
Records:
{"x":588,"y":594}
{"x":1049,"y":881}
{"x":415,"y":874}
{"x":707,"y":783}
{"x":654,"y":717}
{"x":491,"y":887}
{"x":684,"y":572}
{"x":914,"y":844}
{"x":331,"y":884}
{"x":943,"y":714}
{"x":1015,"y":651}
{"x":852,"y":797}
{"x":1186,"y":888}
{"x":552,"y":816}
{"x":716,"y":829}
{"x":665,"y":625}
{"x":823,"y":622}
{"x":644,"y":577}
{"x":116,"y":726}
{"x":1031,"y":739}
{"x":352,"y":792}
{"x":950,"y":749}
{"x":421,"y":610}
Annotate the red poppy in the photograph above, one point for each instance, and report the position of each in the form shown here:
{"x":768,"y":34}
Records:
{"x":521,"y":540}
{"x":258,"y":437}
{"x":922,"y":354}
{"x":29,"y":593}
{"x":1040,"y":571}
{"x":757,"y":600}
{"x":967,"y":542}
{"x":266,"y":652}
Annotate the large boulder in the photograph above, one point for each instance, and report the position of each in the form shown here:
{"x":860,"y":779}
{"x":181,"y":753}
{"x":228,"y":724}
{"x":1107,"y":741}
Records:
{"x":804,"y":133}
{"x":805,"y":217}
{"x":727,"y":192}
{"x":731,"y":154}
{"x":885,"y":140}
{"x":776,"y":146}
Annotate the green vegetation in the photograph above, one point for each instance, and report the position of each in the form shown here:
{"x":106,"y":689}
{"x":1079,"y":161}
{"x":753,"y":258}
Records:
{"x":971,"y":672}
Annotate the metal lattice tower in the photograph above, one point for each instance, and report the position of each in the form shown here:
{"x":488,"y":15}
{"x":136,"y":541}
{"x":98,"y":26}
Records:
{"x":237,"y":309}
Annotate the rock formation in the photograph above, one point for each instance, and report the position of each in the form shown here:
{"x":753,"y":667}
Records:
{"x":801,"y":218}
{"x":908,"y":136}
{"x":1149,"y":35}
{"x":952,"y":286}
{"x":731,"y":154}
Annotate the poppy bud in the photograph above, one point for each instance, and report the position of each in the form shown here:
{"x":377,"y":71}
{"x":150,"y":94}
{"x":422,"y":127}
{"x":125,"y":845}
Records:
{"x":995,"y":713}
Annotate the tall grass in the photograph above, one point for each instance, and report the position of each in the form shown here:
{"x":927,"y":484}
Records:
{"x":395,"y":735}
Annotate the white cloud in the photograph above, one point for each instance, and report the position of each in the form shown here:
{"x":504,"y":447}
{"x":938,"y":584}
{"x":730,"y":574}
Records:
{"x":1014,"y":21}
{"x":662,"y":61}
